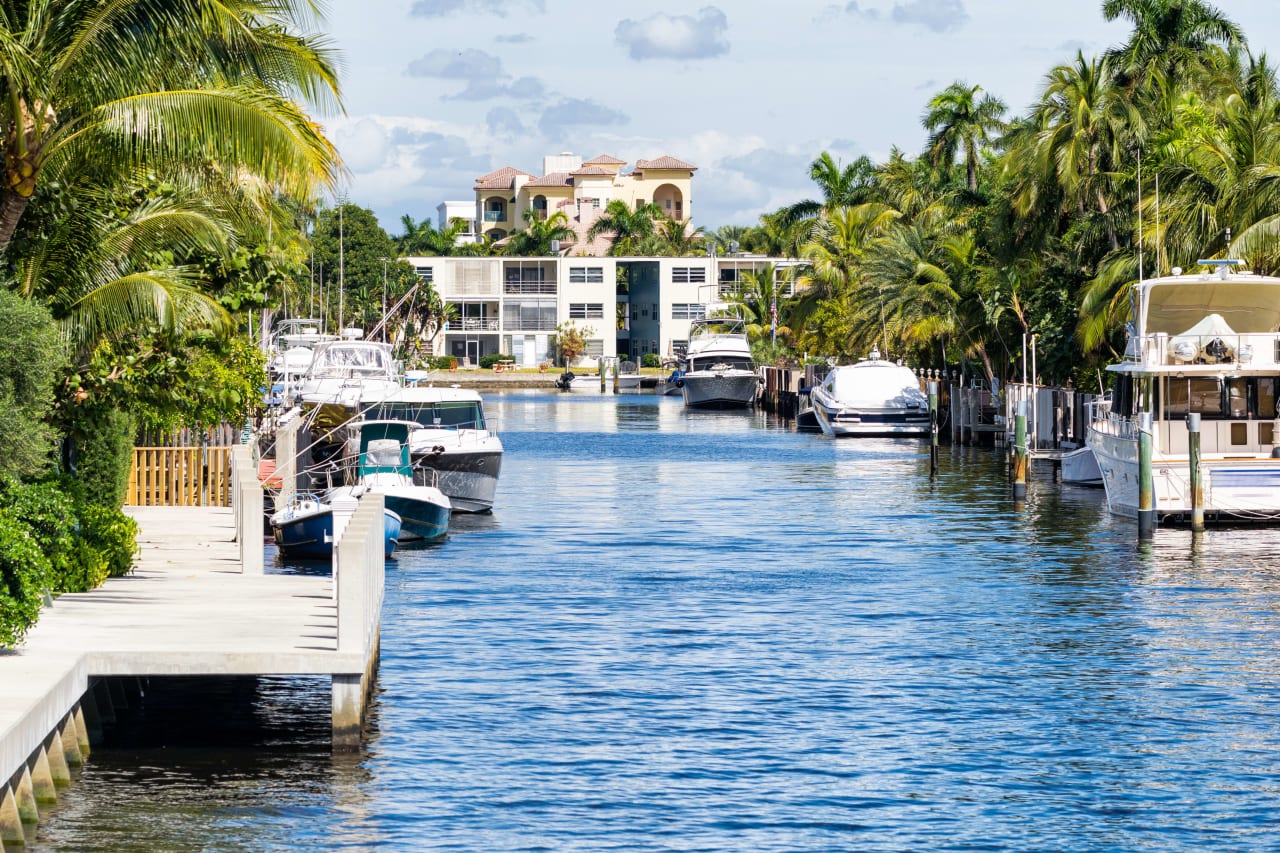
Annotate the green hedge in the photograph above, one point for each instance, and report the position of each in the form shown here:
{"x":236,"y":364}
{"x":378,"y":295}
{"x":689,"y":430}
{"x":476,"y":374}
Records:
{"x":24,"y":576}
{"x":488,"y":361}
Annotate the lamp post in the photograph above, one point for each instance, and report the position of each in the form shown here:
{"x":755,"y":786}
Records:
{"x":384,"y":299}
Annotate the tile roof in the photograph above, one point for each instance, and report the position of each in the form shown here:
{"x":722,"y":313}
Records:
{"x":590,"y":171}
{"x":605,"y":160}
{"x":499,"y":179}
{"x":554,"y":179}
{"x":665,"y":162}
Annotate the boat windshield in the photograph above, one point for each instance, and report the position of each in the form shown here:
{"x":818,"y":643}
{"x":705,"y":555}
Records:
{"x":1246,"y":307}
{"x":464,"y":414}
{"x":346,"y":359}
{"x":879,"y":383}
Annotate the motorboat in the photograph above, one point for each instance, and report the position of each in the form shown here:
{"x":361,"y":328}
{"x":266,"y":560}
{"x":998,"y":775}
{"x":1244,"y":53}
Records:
{"x":381,"y":466}
{"x":720,"y":372}
{"x":1200,"y":344}
{"x":872,"y":397}
{"x":305,"y":528}
{"x":450,"y":437}
{"x":290,"y":353}
{"x":806,"y":415}
{"x":628,"y":378}
{"x":1080,"y":467}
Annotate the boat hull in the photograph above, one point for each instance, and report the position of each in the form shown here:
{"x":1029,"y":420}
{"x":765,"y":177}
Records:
{"x":850,"y":421}
{"x":311,"y":536}
{"x":1234,"y":490}
{"x":727,"y":389}
{"x":466,"y":470}
{"x":1080,"y":468}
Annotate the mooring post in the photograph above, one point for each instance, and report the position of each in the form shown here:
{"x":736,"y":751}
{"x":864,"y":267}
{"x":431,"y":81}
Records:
{"x":1021,"y":461}
{"x":933,"y":428}
{"x":1146,"y":484}
{"x":287,"y":460}
{"x":617,"y":368}
{"x":1197,"y":483}
{"x":604,"y":370}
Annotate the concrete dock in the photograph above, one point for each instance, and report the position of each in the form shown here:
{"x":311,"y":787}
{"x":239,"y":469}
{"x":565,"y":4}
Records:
{"x":194,"y":605}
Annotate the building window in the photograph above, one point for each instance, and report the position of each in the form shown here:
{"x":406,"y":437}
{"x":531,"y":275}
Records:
{"x":688,"y":275}
{"x":688,"y":311}
{"x":594,"y":348}
{"x":531,"y":316}
{"x":586,"y":310}
{"x":426,"y":274}
{"x":586,"y":275}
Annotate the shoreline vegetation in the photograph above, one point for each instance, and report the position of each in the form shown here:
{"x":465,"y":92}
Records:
{"x":165,"y":172}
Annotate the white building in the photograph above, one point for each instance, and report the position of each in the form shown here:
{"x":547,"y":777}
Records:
{"x":629,"y":306}
{"x":447,"y":211}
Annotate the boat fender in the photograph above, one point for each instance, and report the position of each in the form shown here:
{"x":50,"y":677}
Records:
{"x":680,"y":382}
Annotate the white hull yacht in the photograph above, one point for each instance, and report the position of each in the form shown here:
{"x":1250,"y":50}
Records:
{"x":1206,"y":344}
{"x":720,"y":373}
{"x":872,"y":397}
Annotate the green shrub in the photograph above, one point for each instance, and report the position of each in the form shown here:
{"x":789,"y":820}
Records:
{"x":443,"y":362}
{"x":111,"y":535}
{"x":651,"y":359}
{"x":24,"y":573}
{"x":50,"y":511}
{"x":488,"y":361}
{"x":102,"y":456}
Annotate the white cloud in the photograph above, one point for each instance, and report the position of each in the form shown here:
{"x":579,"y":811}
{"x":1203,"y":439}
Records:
{"x":939,"y":16}
{"x":444,"y":8}
{"x":482,"y":72}
{"x":364,"y":145}
{"x":576,"y":112}
{"x":675,"y":36}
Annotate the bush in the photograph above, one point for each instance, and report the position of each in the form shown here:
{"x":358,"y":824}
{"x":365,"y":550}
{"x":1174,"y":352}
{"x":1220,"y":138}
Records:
{"x":443,"y":362}
{"x":24,"y":575}
{"x":111,"y":535}
{"x":102,"y":455}
{"x":488,"y":361}
{"x":651,"y":359}
{"x":50,"y":512}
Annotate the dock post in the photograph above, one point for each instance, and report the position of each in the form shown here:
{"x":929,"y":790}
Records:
{"x":42,"y":784}
{"x":933,"y":428}
{"x":617,"y":368}
{"x":1197,"y":482}
{"x":249,"y":511}
{"x":604,"y":372}
{"x":287,"y":460}
{"x":1020,"y":458}
{"x":11,"y":831}
{"x":1146,"y":484}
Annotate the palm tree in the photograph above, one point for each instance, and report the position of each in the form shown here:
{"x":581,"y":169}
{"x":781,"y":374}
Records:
{"x":841,"y":186}
{"x":961,"y":123}
{"x":423,"y":238}
{"x":160,"y":83}
{"x":628,"y":225}
{"x":1169,"y":37}
{"x":535,"y":238}
{"x":674,"y":238}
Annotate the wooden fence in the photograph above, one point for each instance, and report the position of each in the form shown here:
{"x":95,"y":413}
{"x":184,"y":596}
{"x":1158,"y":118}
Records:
{"x":180,"y":476}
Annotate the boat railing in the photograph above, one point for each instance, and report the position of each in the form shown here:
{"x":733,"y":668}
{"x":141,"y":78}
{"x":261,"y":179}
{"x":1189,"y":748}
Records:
{"x":1160,"y":349}
{"x":424,"y":475}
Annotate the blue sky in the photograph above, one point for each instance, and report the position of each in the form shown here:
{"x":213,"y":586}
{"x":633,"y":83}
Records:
{"x":438,"y":92}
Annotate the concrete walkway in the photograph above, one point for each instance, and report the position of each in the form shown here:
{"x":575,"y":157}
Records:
{"x":185,"y":610}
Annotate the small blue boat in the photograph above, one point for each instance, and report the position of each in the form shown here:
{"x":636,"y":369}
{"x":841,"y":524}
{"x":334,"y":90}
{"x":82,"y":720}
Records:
{"x":304,"y":528}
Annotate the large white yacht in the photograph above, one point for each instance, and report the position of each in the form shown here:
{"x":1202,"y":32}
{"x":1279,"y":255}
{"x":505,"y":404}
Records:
{"x":872,"y":397}
{"x":451,"y":438}
{"x":720,"y":373}
{"x":1206,"y":343}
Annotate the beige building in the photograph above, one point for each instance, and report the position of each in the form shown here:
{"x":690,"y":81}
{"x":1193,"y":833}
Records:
{"x":581,"y":190}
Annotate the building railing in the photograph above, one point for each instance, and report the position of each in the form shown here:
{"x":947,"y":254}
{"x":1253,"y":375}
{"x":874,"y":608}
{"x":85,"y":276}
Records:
{"x":495,"y":216}
{"x":529,"y":326}
{"x":472,"y":324}
{"x":527,"y":287}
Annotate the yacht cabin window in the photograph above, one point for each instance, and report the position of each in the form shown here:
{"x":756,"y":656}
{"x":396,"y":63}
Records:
{"x":1237,"y":398}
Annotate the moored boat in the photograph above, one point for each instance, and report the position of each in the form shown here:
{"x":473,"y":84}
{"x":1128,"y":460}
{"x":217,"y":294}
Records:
{"x":305,"y":528}
{"x":872,"y":397}
{"x":382,"y":466}
{"x":1201,"y":344}
{"x":720,"y":373}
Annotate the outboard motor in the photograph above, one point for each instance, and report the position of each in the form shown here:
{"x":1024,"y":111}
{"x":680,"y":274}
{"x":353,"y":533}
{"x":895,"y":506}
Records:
{"x":565,"y":380}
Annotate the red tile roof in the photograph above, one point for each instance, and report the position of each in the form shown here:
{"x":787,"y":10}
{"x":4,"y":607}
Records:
{"x":499,"y":179}
{"x":605,"y":160}
{"x":665,"y":162}
{"x":554,"y":179}
{"x":592,"y":171}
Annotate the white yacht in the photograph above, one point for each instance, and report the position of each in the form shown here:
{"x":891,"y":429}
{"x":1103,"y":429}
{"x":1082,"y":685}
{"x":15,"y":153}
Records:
{"x":872,"y":397}
{"x":451,"y":438}
{"x":1203,"y":343}
{"x":290,"y":352}
{"x":720,"y":373}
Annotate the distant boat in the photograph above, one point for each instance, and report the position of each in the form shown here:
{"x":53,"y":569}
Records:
{"x":304,"y":528}
{"x":628,"y":377}
{"x":721,"y":373}
{"x":381,"y":466}
{"x":872,"y":397}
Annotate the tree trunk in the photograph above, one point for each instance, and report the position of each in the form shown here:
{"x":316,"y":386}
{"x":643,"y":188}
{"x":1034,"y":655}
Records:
{"x":12,"y":206}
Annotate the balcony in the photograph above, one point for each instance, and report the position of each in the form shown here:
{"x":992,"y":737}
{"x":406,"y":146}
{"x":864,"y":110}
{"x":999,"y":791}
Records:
{"x":495,"y":216}
{"x":516,"y":288}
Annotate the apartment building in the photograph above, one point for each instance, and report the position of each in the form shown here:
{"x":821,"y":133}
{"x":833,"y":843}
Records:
{"x":581,"y":189}
{"x":628,"y":306}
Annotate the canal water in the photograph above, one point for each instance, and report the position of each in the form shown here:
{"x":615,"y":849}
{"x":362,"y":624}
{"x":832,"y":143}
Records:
{"x":705,"y":631}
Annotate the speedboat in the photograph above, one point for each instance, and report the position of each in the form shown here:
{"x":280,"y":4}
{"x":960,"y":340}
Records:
{"x":381,"y":466}
{"x":872,"y":397}
{"x":305,"y":527}
{"x":628,"y":378}
{"x":450,"y":437}
{"x":1205,"y":344}
{"x":1080,"y":467}
{"x":720,"y":372}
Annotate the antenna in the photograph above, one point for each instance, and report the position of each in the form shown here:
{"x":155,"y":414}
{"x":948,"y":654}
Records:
{"x":1140,"y":275}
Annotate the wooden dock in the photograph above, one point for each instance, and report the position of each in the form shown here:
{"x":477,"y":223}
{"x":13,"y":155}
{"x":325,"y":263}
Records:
{"x":197,"y":603}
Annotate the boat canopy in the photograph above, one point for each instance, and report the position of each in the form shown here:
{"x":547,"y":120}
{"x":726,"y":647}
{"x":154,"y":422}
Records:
{"x":874,"y":384}
{"x":1245,"y":307}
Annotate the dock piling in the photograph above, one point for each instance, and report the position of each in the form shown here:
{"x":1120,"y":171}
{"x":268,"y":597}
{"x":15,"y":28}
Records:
{"x":933,"y":428}
{"x":1021,"y":458}
{"x":1146,"y":485}
{"x":1197,"y":483}
{"x":11,"y":831}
